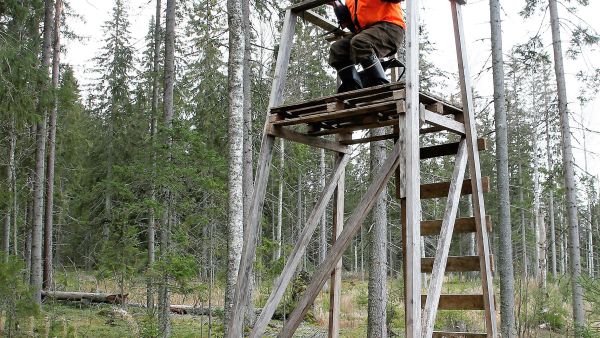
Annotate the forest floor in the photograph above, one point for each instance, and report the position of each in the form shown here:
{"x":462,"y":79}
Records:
{"x":102,"y":320}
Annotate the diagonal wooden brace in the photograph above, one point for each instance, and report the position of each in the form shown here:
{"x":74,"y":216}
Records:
{"x":443,"y":247}
{"x":260,"y":184}
{"x":344,"y":240}
{"x":296,"y":256}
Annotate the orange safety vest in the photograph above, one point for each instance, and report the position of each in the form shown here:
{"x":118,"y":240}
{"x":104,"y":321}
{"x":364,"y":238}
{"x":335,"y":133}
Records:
{"x":369,"y":12}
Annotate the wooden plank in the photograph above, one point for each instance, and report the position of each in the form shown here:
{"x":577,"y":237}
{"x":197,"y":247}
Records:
{"x":321,"y":22}
{"x":340,"y":97}
{"x":439,"y":190}
{"x":335,"y":285}
{"x":306,"y":5}
{"x":454,"y":264}
{"x":295,"y":257}
{"x":365,"y":126}
{"x":442,"y":334}
{"x":444,"y":122}
{"x":345,"y":113}
{"x":474,"y":168}
{"x":260,"y":183}
{"x":443,"y":246}
{"x":308,"y":140}
{"x":448,"y":149}
{"x":462,"y":225}
{"x":447,"y":107}
{"x":370,"y":139}
{"x":413,"y":175}
{"x":351,"y":227}
{"x":459,"y":302}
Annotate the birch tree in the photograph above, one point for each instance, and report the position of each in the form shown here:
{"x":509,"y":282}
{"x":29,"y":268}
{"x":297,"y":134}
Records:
{"x":235,"y":227}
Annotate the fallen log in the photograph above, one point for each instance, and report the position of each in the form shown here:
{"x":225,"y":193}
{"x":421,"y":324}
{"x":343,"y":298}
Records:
{"x":86,"y":296}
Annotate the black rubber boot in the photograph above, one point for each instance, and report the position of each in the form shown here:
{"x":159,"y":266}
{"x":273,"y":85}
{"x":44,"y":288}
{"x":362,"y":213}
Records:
{"x":373,"y":73}
{"x":350,"y":79}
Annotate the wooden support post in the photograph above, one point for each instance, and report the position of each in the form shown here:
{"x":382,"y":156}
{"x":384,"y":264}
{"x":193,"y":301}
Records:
{"x":443,"y":247}
{"x":260,"y":183}
{"x":296,"y":256}
{"x":335,"y":286}
{"x":344,"y":240}
{"x":474,"y":169}
{"x":413,"y":200}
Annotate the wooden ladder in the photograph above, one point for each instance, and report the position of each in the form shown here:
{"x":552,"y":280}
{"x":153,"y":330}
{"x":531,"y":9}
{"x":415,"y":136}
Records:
{"x":329,"y":123}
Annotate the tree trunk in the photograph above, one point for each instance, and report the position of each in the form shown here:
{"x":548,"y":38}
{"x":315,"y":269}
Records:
{"x":377,"y":315}
{"x":541,"y":248}
{"x":505,"y":255}
{"x":49,"y":213}
{"x":235,"y":225}
{"x":550,"y":182}
{"x":11,"y":183}
{"x":36,"y":277}
{"x":569,"y":172}
{"x":536,"y":207}
{"x":523,"y":226}
{"x":168,"y":217}
{"x":280,"y":201}
{"x":590,"y":230}
{"x":153,"y":127}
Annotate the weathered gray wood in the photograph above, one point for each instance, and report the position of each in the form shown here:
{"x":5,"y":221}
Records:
{"x":308,"y":140}
{"x":439,"y":190}
{"x":444,"y":122}
{"x":344,"y":240}
{"x":454,"y":264}
{"x":262,"y":175}
{"x":295,"y":257}
{"x":462,"y":225}
{"x":448,"y":149}
{"x":330,"y":116}
{"x":442,"y":334}
{"x":321,"y":22}
{"x":308,"y":4}
{"x":94,"y":297}
{"x":335,"y":285}
{"x":460,"y":302}
{"x":474,"y":169}
{"x":443,"y":246}
{"x":413,"y":180}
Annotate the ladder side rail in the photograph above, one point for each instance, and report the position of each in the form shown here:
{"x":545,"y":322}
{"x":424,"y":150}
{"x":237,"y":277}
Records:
{"x":443,"y":246}
{"x":413,"y":199}
{"x":474,"y":168}
{"x":295,"y":256}
{"x":262,"y":176}
{"x":351,"y":227}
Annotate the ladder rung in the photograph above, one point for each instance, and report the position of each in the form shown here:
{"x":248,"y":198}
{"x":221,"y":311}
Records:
{"x":448,"y":149}
{"x":454,"y":264}
{"x":438,"y":190}
{"x":461,"y":225}
{"x":442,"y":334}
{"x":458,"y":302}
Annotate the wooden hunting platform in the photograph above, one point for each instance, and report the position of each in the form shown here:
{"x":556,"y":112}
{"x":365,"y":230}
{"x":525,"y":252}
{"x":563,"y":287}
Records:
{"x":363,"y":109}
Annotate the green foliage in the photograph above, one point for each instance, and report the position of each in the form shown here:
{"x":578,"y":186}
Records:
{"x":16,"y":299}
